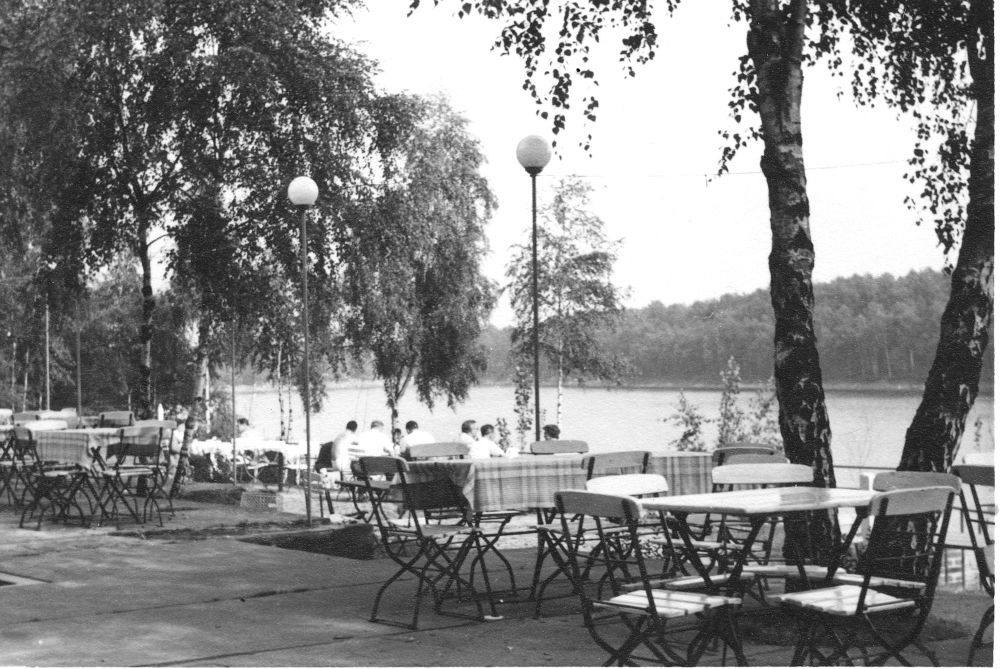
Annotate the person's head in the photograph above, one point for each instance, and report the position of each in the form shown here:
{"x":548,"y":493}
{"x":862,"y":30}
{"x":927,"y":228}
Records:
{"x":469,"y":427}
{"x":377,"y":425}
{"x":352,"y":425}
{"x":411,"y":425}
{"x":486,"y":430}
{"x":397,"y":434}
{"x":550,"y":431}
{"x":242,"y":422}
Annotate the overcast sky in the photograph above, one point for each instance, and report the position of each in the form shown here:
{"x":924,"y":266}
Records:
{"x":655,"y":140}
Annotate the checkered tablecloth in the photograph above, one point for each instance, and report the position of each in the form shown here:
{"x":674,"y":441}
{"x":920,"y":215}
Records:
{"x":74,"y":446}
{"x":530,"y":482}
{"x":686,"y":473}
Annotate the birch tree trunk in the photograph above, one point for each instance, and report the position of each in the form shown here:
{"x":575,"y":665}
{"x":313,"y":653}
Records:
{"x":144,"y":408}
{"x":559,"y":386}
{"x":775,"y":43}
{"x":952,"y":384}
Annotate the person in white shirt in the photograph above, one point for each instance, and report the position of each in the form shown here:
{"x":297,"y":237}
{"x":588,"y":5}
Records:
{"x":469,"y":433}
{"x":374,"y":441}
{"x":338,"y":447}
{"x":485,"y":448}
{"x":414,"y":436}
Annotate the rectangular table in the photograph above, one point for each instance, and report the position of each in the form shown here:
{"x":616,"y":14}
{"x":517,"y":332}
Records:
{"x":757,"y":506}
{"x":531,"y":481}
{"x":74,"y":446}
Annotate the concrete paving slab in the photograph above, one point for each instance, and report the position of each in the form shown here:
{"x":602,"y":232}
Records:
{"x":114,"y":600}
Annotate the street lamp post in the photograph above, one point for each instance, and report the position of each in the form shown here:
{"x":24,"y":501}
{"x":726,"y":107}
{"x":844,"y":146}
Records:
{"x":302,"y":192}
{"x":534,"y":153}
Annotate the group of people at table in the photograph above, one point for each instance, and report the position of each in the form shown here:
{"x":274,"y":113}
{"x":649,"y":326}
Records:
{"x":351,"y":444}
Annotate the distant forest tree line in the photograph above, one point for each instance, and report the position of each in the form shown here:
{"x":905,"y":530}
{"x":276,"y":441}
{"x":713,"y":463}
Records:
{"x":870,"y":330}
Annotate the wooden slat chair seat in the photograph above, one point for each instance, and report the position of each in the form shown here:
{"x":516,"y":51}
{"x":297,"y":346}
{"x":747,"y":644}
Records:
{"x":647,"y":615}
{"x":440,"y":551}
{"x":853,"y":610}
{"x":558,"y":447}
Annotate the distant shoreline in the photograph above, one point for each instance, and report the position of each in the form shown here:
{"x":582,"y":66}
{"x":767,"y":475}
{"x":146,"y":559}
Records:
{"x":879,"y":388}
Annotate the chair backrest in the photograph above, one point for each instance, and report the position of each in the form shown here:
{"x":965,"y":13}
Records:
{"x":116,"y":419}
{"x":750,"y":458}
{"x":599,"y":505}
{"x":976,"y":475}
{"x":438,"y":449}
{"x":620,"y":462}
{"x":556,"y":446}
{"x":722,"y":453}
{"x":51,"y":424}
{"x":435,"y":492}
{"x":165,"y":424}
{"x":764,"y":474}
{"x":631,"y":485}
{"x":141,"y":442}
{"x":22,"y":417}
{"x":906,"y":480}
{"x":23,"y":445}
{"x":381,"y":465}
{"x":907,"y":539}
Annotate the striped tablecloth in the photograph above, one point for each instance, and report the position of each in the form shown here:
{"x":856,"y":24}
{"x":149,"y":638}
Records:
{"x":530,"y":482}
{"x":74,"y":446}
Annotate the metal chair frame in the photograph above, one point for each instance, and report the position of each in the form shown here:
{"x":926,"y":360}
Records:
{"x":651,"y":617}
{"x":892,"y":590}
{"x":440,"y":550}
{"x":975,"y":517}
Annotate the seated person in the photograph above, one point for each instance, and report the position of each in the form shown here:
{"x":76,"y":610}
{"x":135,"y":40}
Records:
{"x":415,"y":436}
{"x":469,"y":434}
{"x":325,"y":458}
{"x":485,"y":448}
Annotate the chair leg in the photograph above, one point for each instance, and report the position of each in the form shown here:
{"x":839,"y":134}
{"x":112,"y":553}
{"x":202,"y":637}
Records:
{"x":977,"y":638}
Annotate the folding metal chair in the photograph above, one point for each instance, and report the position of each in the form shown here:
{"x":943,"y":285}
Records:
{"x":885,"y":604}
{"x":134,"y":471}
{"x":167,"y":464}
{"x":660,"y":621}
{"x":981,"y":523}
{"x":48,"y":486}
{"x":439,"y":551}
{"x":558,"y":446}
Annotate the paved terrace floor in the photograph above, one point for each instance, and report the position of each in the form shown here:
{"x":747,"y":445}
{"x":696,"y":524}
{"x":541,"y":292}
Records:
{"x":108,"y":599}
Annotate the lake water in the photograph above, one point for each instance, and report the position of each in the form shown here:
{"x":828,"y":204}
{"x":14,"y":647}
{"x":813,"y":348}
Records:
{"x":868,"y":427}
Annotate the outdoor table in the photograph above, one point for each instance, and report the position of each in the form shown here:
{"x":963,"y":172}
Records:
{"x":757,"y":506}
{"x":530,"y":482}
{"x":74,"y":446}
